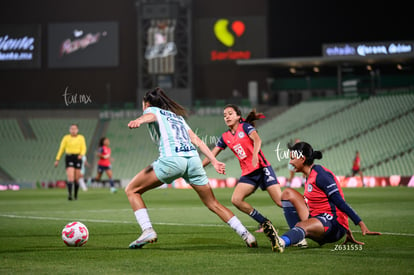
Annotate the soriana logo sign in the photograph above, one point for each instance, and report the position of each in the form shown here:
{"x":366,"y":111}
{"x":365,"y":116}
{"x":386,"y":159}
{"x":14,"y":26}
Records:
{"x":231,"y":38}
{"x":228,"y":33}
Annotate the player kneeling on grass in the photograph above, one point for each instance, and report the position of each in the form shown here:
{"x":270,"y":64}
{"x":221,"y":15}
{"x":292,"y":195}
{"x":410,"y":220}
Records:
{"x":321,"y":214}
{"x":178,"y":158}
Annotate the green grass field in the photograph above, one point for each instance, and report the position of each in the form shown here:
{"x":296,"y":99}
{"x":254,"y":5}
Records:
{"x":191,"y":239}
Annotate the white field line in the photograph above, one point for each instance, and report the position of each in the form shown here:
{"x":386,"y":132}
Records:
{"x":12,"y":216}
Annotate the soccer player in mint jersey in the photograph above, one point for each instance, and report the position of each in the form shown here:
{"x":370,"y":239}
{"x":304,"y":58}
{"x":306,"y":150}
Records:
{"x":178,"y":158}
{"x":243,"y":140}
{"x":321,"y":214}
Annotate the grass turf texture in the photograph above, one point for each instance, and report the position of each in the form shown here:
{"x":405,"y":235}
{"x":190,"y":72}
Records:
{"x":191,"y":239}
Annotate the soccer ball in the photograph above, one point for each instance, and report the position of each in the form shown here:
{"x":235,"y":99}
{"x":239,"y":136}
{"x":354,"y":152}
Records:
{"x":75,"y":234}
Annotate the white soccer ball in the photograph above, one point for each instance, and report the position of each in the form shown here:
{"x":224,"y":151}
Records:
{"x":75,"y":234}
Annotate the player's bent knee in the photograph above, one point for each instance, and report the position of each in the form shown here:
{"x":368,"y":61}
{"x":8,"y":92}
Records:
{"x":129,"y":190}
{"x":236,"y":200}
{"x":289,"y":194}
{"x":237,"y":204}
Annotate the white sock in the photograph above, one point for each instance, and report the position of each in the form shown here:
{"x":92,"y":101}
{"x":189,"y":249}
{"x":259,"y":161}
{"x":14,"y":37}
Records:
{"x":237,"y":226}
{"x":82,"y":184}
{"x":143,"y":219}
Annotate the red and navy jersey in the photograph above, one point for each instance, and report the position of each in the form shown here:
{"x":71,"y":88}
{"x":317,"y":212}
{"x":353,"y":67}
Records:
{"x":320,"y":185}
{"x":105,"y":160}
{"x":356,"y":164}
{"x":242,"y":146}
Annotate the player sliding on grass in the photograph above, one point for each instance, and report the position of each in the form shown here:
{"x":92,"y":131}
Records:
{"x":178,"y":158}
{"x":322,"y":213}
{"x":243,"y":139}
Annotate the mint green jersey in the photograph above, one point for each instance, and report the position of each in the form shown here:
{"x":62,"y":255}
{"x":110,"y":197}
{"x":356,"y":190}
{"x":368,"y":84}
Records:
{"x":170,"y":132}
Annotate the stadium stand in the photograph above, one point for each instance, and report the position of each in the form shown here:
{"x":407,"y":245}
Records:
{"x":9,"y":130}
{"x":301,"y":115}
{"x":380,"y":127}
{"x":31,"y":159}
{"x":371,"y":126}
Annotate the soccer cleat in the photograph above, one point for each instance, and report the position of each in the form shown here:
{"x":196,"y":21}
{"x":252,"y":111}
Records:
{"x":113,"y":190}
{"x":148,"y":236}
{"x":279,"y":244}
{"x":270,"y":232}
{"x":249,"y":239}
{"x":302,"y":244}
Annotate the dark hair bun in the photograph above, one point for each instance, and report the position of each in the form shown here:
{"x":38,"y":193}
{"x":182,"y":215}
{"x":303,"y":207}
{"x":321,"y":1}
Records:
{"x":317,"y":155}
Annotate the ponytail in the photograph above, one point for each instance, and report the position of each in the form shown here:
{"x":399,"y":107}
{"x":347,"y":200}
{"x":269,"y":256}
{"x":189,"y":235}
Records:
{"x":157,"y":98}
{"x":317,"y":155}
{"x":251,"y":117}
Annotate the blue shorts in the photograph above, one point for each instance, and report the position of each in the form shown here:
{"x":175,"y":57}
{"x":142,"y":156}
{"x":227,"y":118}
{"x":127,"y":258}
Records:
{"x":189,"y":168}
{"x":333,"y":230}
{"x":101,"y":168}
{"x":262,"y":177}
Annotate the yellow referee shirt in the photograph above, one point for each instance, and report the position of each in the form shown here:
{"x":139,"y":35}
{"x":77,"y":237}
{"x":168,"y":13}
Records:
{"x":72,"y":145}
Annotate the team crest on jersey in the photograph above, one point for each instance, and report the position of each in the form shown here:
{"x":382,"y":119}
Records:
{"x":241,"y":135}
{"x":239,"y":151}
{"x":310,"y":187}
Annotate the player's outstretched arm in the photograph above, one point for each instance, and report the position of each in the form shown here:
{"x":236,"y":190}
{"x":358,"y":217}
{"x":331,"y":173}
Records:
{"x":146,"y":118}
{"x":351,"y":239}
{"x":216,"y":150}
{"x":219,"y":166}
{"x":365,"y":231}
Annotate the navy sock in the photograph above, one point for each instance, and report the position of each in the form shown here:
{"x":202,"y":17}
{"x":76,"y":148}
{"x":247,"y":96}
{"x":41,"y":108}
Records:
{"x":111,"y":182}
{"x":291,"y":214}
{"x":293,"y":236}
{"x":257,"y":216}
